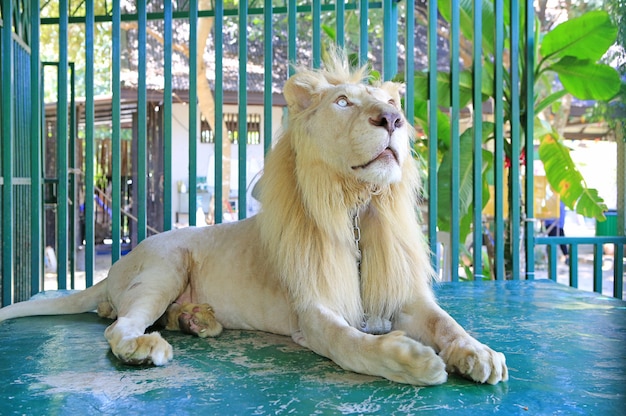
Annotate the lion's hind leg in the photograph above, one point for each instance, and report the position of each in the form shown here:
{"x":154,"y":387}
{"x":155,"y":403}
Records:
{"x":191,"y":318}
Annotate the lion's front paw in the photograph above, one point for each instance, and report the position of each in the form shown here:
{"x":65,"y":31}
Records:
{"x":476,"y":361}
{"x":407,"y":361}
{"x":145,"y":349}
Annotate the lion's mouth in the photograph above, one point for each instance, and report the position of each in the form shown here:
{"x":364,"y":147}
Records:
{"x":386,"y":155}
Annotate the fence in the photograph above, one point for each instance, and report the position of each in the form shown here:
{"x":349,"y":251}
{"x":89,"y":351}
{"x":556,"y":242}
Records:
{"x":249,"y":52}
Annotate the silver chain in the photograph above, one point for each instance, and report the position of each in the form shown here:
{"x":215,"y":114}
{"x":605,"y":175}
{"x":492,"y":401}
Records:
{"x":357,"y":237}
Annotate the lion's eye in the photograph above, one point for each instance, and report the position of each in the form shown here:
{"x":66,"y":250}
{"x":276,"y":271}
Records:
{"x":392,"y":102}
{"x":342,"y":101}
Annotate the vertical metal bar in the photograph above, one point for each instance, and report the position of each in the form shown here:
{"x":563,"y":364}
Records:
{"x":292,"y":32}
{"x":71,"y":162}
{"x":573,"y":266}
{"x":478,"y":141}
{"x":390,"y":37}
{"x":499,"y":141}
{"x":35,"y":154}
{"x":455,"y":147}
{"x":243,"y":104}
{"x":514,"y":186}
{"x":116,"y":133}
{"x":267,"y":76}
{"x":316,"y":13}
{"x":552,"y":261}
{"x":529,"y":81}
{"x":409,"y":69}
{"x":167,"y":116}
{"x":140,"y":199}
{"x":363,"y":34}
{"x":193,"y":110}
{"x":597,"y":267}
{"x":432,"y":131}
{"x":7,"y":153}
{"x":219,"y":102}
{"x":62,"y":166}
{"x":340,"y":12}
{"x":89,"y":143}
{"x":618,"y":270}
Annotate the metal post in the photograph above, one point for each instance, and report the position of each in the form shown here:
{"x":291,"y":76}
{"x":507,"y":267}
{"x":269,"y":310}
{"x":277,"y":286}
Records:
{"x":455,"y":142}
{"x":89,"y":144}
{"x":36,"y":173}
{"x":528,"y":82}
{"x":167,"y":116}
{"x":7,"y":152}
{"x":432,"y":131}
{"x":242,"y":113}
{"x":193,"y":110}
{"x":62,"y":163}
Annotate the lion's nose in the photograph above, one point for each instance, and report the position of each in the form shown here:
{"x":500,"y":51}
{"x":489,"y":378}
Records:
{"x":387,"y":120}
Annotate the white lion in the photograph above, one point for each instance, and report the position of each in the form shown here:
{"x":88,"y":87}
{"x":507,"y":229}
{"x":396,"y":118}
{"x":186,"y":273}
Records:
{"x":297,"y":268}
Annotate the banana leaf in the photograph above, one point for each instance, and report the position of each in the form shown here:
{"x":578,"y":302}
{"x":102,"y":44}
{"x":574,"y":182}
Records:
{"x":567,"y":181}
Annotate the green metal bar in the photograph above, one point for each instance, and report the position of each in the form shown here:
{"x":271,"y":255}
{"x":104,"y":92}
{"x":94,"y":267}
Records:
{"x":340,"y":12}
{"x":597,"y":268}
{"x":363,"y":32}
{"x":455,"y":143}
{"x":219,"y":102}
{"x":62,"y":165}
{"x":116,"y":134}
{"x":552,"y":261}
{"x":573,"y":265}
{"x":139,"y":189}
{"x":71,"y":160}
{"x":7,"y":153}
{"x":409,"y":70}
{"x":292,"y":34}
{"x":243,"y":103}
{"x":499,"y":142}
{"x":390,"y":37}
{"x":478,"y":141}
{"x":317,"y":33}
{"x":267,"y":77}
{"x":514,"y":186}
{"x":580,"y":240}
{"x":167,"y":116}
{"x":432,"y":132}
{"x":193,"y":111}
{"x":35,"y":155}
{"x":89,"y":144}
{"x":528,"y":82}
{"x":618,"y":271}
{"x":183,"y":14}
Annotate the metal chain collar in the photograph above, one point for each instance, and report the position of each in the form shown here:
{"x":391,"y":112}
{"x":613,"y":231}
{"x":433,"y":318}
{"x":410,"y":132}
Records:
{"x":357,"y":237}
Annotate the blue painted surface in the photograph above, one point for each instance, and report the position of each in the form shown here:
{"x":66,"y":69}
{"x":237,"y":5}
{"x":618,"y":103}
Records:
{"x":565,"y":350}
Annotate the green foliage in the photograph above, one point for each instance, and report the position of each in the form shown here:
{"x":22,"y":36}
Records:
{"x":466,"y":186}
{"x":567,"y":181}
{"x":585,"y":37}
{"x":571,"y":52}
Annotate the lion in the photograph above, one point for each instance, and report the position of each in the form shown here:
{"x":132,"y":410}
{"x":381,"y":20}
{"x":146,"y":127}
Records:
{"x":335,"y":258}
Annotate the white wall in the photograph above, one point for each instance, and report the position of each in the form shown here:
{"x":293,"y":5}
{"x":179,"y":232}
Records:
{"x":205,"y":155}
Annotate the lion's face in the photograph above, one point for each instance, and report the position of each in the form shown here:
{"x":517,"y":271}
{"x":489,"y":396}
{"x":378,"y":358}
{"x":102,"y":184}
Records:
{"x":356,"y":130}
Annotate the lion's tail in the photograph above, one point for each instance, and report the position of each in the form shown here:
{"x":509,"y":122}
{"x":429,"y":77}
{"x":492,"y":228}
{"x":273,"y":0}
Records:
{"x":83,"y":301}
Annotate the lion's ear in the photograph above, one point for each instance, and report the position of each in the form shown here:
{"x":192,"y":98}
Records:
{"x":302,"y":88}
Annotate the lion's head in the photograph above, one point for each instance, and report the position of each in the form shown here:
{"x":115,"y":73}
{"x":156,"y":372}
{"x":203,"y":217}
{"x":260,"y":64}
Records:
{"x":354,"y":129}
{"x":345,"y":151}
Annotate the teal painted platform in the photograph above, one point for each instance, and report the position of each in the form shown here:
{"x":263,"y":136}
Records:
{"x":566,"y":351}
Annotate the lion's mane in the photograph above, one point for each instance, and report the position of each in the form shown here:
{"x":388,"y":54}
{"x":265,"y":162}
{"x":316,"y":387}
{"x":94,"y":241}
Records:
{"x":306,"y":222}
